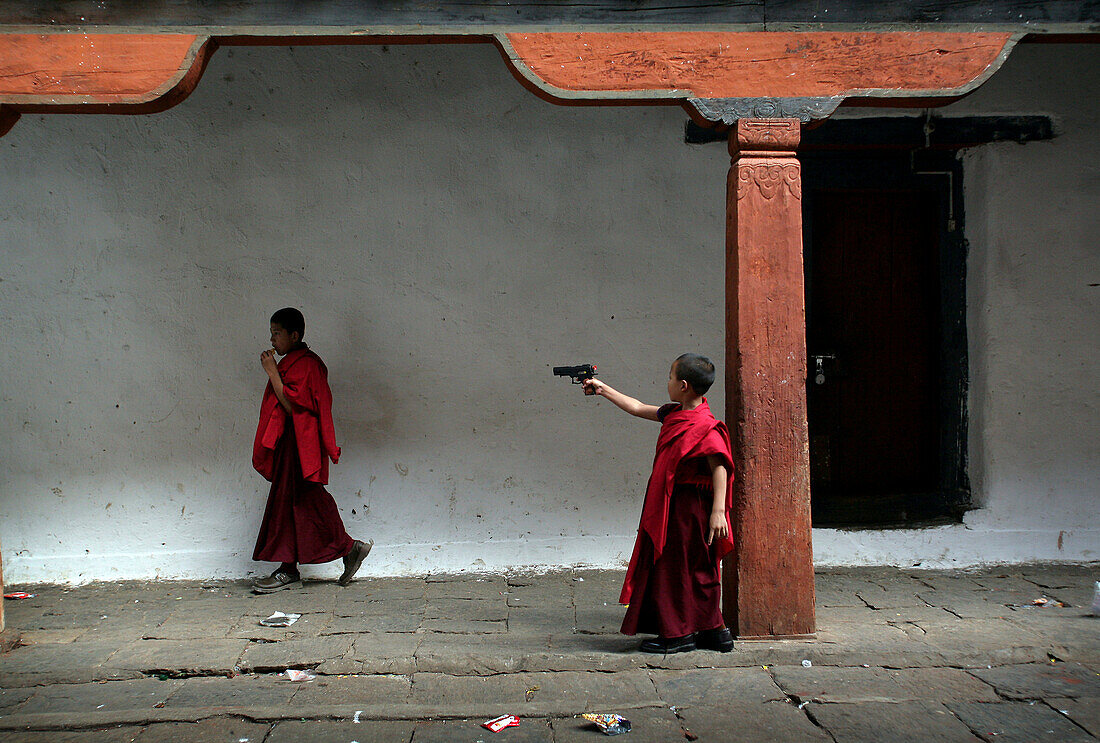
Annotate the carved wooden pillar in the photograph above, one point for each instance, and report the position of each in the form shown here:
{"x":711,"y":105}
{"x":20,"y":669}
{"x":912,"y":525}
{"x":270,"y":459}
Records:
{"x":769,"y":579}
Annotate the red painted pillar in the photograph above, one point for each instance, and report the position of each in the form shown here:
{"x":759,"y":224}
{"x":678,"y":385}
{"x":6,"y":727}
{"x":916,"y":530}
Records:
{"x":768,"y":580}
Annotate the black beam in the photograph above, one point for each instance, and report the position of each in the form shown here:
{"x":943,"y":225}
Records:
{"x":282,"y":17}
{"x":239,"y":16}
{"x":1023,"y":13}
{"x":904,"y":132}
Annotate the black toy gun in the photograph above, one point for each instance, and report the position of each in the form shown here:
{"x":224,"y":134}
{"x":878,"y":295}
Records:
{"x":578,"y":374}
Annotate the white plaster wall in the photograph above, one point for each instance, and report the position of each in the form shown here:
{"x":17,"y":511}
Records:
{"x":451,"y":237}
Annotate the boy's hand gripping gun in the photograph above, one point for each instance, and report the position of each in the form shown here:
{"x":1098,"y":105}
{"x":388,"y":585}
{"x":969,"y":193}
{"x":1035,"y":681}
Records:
{"x":577,"y":373}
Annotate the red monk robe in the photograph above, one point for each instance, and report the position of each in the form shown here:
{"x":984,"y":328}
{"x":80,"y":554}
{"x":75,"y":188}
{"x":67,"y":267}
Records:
{"x":302,"y":523}
{"x":673,"y":583}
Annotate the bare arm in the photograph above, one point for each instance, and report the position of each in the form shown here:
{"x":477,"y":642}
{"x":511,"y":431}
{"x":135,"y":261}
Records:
{"x":267,"y":361}
{"x":629,"y":404}
{"x":718,"y":526}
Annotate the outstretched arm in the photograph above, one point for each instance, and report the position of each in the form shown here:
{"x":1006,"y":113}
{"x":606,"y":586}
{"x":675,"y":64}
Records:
{"x":629,"y":404}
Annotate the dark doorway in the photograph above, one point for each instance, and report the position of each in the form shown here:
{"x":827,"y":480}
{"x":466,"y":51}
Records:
{"x":885,"y":299}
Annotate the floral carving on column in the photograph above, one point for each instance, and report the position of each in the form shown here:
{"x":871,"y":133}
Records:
{"x":765,"y":156}
{"x":769,"y":179}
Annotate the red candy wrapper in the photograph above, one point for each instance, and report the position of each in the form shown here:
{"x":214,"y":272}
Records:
{"x":20,"y":595}
{"x":499,"y":723}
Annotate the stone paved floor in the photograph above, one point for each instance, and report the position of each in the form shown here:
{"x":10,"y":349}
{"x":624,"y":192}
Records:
{"x":900,"y":656}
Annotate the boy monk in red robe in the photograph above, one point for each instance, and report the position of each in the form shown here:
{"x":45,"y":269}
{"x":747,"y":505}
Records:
{"x":673,"y":585}
{"x":295,"y":440}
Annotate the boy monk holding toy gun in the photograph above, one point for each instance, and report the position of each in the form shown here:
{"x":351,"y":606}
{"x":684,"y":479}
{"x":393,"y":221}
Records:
{"x":673,"y":584}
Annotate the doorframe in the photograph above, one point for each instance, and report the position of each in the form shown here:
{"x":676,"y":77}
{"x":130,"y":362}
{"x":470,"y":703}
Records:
{"x":939,"y":171}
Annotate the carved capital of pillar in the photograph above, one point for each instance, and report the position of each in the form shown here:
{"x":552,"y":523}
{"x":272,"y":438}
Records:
{"x":778,"y":137}
{"x":763,"y":153}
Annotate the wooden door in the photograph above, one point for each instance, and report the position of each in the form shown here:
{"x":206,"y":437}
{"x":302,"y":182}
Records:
{"x":873,"y":336}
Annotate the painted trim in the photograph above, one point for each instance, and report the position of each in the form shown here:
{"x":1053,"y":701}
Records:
{"x":52,"y":70}
{"x":717,"y":65}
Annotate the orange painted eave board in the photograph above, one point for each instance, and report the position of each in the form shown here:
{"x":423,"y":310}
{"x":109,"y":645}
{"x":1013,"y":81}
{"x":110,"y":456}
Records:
{"x":754,"y":64}
{"x":68,"y":69}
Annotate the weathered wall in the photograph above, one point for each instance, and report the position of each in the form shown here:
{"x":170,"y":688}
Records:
{"x":1033,"y":319}
{"x":450,"y":237}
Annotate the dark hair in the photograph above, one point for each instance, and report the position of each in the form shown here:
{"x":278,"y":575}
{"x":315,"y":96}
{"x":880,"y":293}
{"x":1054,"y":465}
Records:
{"x":291,"y":321}
{"x":696,"y":370}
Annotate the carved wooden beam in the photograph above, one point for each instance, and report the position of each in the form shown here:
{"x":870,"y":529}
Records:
{"x":99,"y":72}
{"x":725,"y":76}
{"x":721,"y":75}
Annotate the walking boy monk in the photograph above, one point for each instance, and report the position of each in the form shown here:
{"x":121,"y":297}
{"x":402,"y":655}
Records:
{"x":673,"y":585}
{"x":294,"y":441}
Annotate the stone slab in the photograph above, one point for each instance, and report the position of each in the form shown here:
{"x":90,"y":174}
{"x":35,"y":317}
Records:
{"x":600,"y":619}
{"x":1084,"y":711}
{"x":125,"y":734}
{"x":1018,"y":722}
{"x":304,"y":653}
{"x":651,"y":725}
{"x":465,"y":587}
{"x":586,"y":653}
{"x":52,"y":636}
{"x":1067,"y":632}
{"x":383,"y":607}
{"x":81,"y":699}
{"x":342,"y":731}
{"x":239,"y":691}
{"x":214,"y":730}
{"x":399,"y":622}
{"x":288,"y":601}
{"x":828,"y":684}
{"x":189,"y":628}
{"x":1039,"y":680}
{"x":181,"y":657}
{"x":715,"y":687}
{"x":542,"y":595}
{"x":477,"y":655}
{"x":530,"y":730}
{"x":828,"y":616}
{"x":445,"y":690}
{"x":545,"y":621}
{"x":464,"y":626}
{"x":899,"y":592}
{"x":386,"y":652}
{"x":10,"y":699}
{"x":897,"y":722}
{"x":362,"y":690}
{"x":582,"y":691}
{"x":48,"y":660}
{"x":248,"y":627}
{"x":741,"y":722}
{"x":484,"y":610}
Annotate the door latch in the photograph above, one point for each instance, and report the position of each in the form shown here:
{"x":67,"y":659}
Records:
{"x":819,"y":366}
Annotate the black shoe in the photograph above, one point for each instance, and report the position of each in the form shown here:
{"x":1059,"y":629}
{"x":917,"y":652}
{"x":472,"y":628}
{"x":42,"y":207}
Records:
{"x":277,"y":581}
{"x":715,"y":639}
{"x":669,"y":645}
{"x":353,"y":559}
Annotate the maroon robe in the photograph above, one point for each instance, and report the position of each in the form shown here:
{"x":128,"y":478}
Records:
{"x":305,"y":384}
{"x":301,"y":523}
{"x":673,"y":582}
